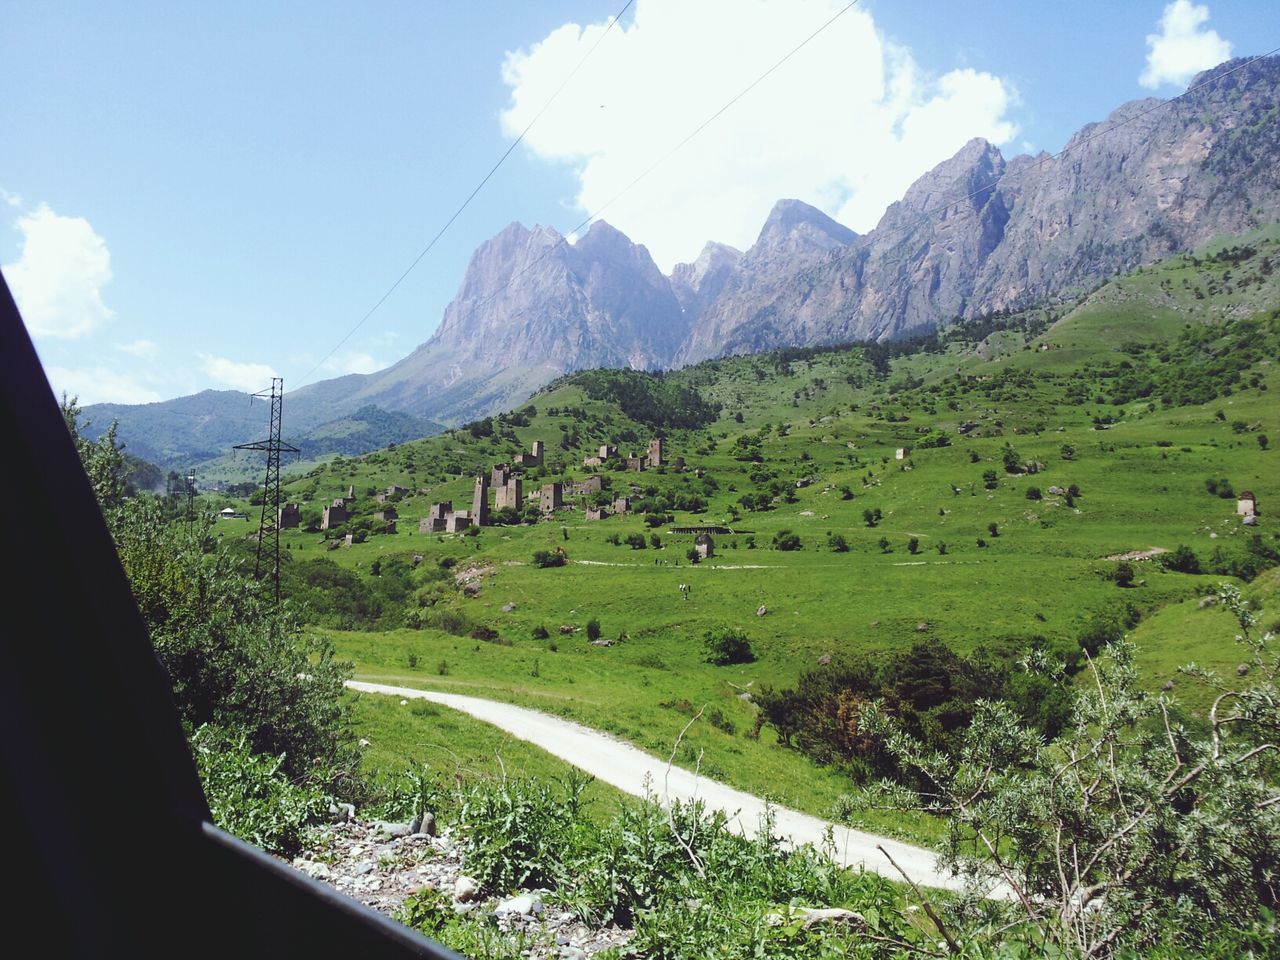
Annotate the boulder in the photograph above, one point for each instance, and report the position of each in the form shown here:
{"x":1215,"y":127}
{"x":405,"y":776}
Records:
{"x":465,"y":889}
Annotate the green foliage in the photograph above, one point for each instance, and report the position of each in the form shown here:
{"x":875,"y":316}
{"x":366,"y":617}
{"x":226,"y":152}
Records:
{"x":838,"y":543}
{"x":1182,"y":560}
{"x":593,"y":629}
{"x":786,"y":540}
{"x":549,"y":558}
{"x":1134,"y":831}
{"x":725,"y":646}
{"x":648,"y":398}
{"x":250,"y":795}
{"x":236,"y":660}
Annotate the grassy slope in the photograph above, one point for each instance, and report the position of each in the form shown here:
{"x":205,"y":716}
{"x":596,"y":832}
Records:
{"x":1142,"y":483}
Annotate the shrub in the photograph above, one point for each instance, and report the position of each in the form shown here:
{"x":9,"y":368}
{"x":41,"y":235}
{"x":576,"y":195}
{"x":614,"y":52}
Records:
{"x":593,"y":629}
{"x":838,"y":543}
{"x":249,"y":793}
{"x":786,"y":540}
{"x":726,"y":646}
{"x":913,"y":546}
{"x":540,"y":632}
{"x":1123,"y":574}
{"x":1181,"y":560}
{"x":549,"y":558}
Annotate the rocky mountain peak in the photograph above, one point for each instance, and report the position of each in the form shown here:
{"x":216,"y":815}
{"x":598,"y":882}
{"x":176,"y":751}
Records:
{"x":794,"y":226}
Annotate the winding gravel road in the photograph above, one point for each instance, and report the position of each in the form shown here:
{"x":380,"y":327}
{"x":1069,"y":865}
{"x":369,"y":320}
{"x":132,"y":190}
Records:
{"x":629,"y":769}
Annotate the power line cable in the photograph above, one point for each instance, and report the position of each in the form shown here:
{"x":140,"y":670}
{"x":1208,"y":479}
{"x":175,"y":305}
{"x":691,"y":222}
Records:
{"x":472,"y":195}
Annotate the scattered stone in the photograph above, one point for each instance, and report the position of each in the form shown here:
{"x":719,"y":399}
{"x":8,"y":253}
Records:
{"x":761,"y":610}
{"x":394,"y":829}
{"x":508,"y":607}
{"x":525,"y":905}
{"x":824,"y":660}
{"x":921,"y":627}
{"x":471,"y":590}
{"x":343,"y":812}
{"x":1207,"y":602}
{"x":465,"y":889}
{"x":745,"y":696}
{"x":1250,"y":520}
{"x":1242,"y":670}
{"x":602,"y":642}
{"x":428,"y":825}
{"x":1168,"y":685}
{"x":1056,"y":491}
{"x":363,"y":742}
{"x":565,"y":629}
{"x":363,"y":867}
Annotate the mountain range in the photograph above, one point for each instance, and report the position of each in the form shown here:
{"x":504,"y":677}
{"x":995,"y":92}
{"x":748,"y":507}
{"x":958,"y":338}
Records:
{"x":976,"y":234}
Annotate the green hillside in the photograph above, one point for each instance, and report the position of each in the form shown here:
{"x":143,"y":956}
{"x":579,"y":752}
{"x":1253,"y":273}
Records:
{"x":1036,"y":446}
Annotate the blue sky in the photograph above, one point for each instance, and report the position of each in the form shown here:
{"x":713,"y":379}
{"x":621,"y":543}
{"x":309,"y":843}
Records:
{"x":198,"y":196}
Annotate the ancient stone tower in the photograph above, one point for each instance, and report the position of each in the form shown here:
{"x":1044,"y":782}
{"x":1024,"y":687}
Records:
{"x":480,"y":502}
{"x":655,"y":452}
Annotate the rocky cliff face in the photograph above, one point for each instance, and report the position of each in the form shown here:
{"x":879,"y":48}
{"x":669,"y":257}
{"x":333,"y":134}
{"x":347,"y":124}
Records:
{"x":978,"y":233}
{"x":531,"y":307}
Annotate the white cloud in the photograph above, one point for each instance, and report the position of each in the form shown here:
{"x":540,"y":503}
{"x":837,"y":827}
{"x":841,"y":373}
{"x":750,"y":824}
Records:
{"x":98,"y":384}
{"x":58,"y":278}
{"x":1183,"y":47}
{"x":352,"y":362}
{"x":249,"y":377}
{"x":143,"y":349}
{"x":12,"y":199}
{"x":847,"y":124}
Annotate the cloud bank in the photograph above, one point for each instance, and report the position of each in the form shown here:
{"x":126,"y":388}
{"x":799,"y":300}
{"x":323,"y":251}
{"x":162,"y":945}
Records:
{"x":59,"y":275}
{"x":249,"y":377}
{"x":847,"y":124}
{"x":1183,"y":47}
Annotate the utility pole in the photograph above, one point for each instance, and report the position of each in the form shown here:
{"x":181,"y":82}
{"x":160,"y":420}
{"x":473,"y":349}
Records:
{"x":269,"y":526}
{"x":191,"y":496}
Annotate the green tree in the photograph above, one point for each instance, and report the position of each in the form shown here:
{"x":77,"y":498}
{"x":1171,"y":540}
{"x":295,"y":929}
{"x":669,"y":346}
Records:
{"x":725,"y":646}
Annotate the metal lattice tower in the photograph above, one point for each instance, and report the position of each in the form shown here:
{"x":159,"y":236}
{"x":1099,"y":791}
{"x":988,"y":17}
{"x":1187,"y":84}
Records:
{"x":269,"y":525}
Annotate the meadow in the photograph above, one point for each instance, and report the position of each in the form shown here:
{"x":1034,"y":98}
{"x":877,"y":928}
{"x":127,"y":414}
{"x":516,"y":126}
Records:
{"x":1037,"y":447}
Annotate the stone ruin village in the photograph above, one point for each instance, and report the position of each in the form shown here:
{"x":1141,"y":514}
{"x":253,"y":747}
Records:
{"x":503,"y":488}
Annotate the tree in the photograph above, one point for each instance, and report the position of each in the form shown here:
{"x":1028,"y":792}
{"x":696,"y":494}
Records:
{"x":726,"y":646}
{"x":103,"y":459}
{"x":1129,"y":832}
{"x":593,"y":629}
{"x":913,"y":546}
{"x":1123,"y":574}
{"x":838,"y":543}
{"x":1012,"y":462}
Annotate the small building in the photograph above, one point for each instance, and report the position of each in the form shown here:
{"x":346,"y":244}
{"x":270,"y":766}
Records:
{"x":510,"y":494}
{"x":389,"y":513}
{"x":389,"y":526}
{"x":534,"y":457}
{"x":900,"y":453}
{"x":395,"y":490}
{"x":655,"y":452}
{"x":480,"y":501}
{"x":636,"y":463}
{"x":589,"y":485}
{"x":596,"y":513}
{"x":607,"y":451}
{"x":499,"y":475}
{"x":457,"y":522}
{"x":551,"y":497}
{"x":592,"y":462}
{"x":335,"y":515}
{"x":705,"y":546}
{"x":431,"y":525}
{"x":230,"y":513}
{"x":1247,"y":504}
{"x":288,"y":517}
{"x":622,"y":505}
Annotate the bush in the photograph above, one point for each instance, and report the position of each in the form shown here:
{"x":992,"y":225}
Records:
{"x":1181,"y":560}
{"x":913,"y":546}
{"x":726,"y":646}
{"x":1123,"y":574}
{"x":549,"y":558}
{"x":838,"y":543}
{"x":786,"y":540}
{"x":540,"y":633}
{"x":593,"y":629}
{"x":1033,"y":493}
{"x":249,"y":793}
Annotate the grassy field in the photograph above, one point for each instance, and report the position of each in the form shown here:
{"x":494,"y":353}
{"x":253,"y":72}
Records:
{"x":810,"y":440}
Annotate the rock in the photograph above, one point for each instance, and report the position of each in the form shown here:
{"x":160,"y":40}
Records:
{"x":1242,"y":670}
{"x":1168,"y":685}
{"x":1056,"y":491}
{"x":465,"y":889}
{"x":814,"y":917}
{"x":761,"y":611}
{"x":508,"y":607}
{"x":363,"y":742}
{"x":745,"y":696}
{"x":824,"y":660}
{"x":1250,"y":520}
{"x":921,"y":627}
{"x":1213,"y":536}
{"x":571,"y":952}
{"x":527,"y":904}
{"x":602,"y":642}
{"x":342,"y":812}
{"x":393,"y":829}
{"x":428,"y":825}
{"x":471,"y":590}
{"x":1207,"y":602}
{"x":363,"y":867}
{"x":565,"y":629}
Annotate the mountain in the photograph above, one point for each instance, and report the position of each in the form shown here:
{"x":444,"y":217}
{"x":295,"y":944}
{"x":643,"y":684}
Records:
{"x":977,"y":233}
{"x":531,"y":307}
